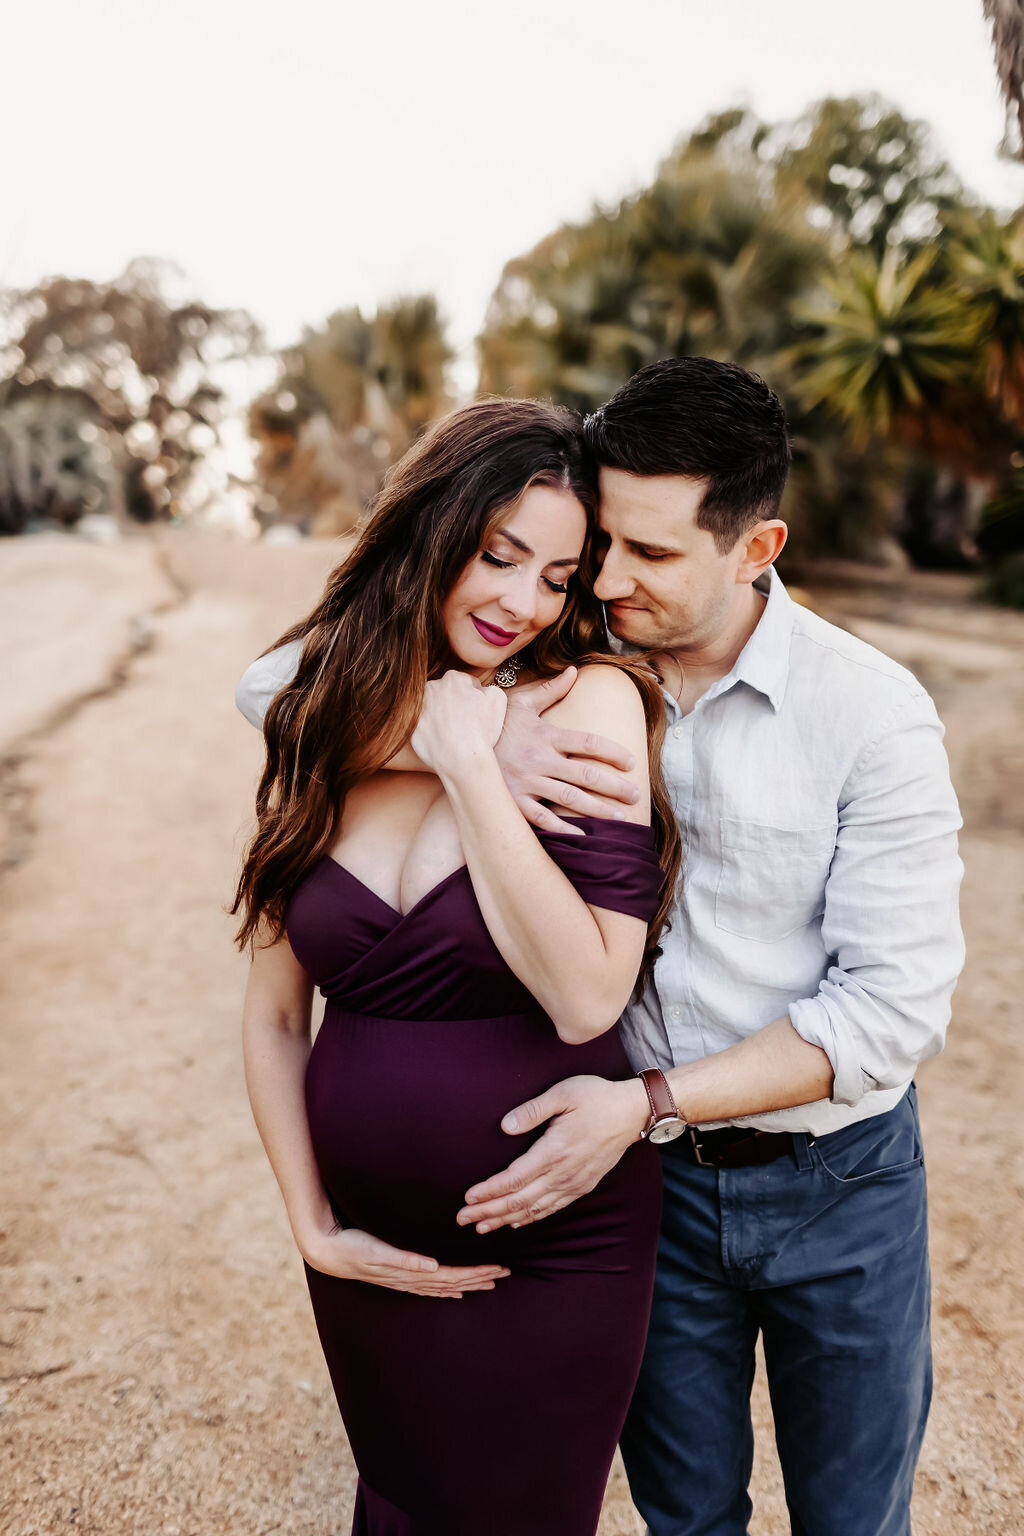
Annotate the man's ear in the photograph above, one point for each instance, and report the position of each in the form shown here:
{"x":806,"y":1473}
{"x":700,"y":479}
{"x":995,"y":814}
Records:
{"x":761,"y":546}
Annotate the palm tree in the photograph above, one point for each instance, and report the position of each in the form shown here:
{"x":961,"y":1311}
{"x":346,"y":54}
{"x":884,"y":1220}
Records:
{"x":1006,"y":18}
{"x":893,"y":357}
{"x":988,"y":263}
{"x":887,"y":346}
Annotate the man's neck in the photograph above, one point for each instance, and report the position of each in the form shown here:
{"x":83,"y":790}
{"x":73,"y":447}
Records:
{"x":690,"y":670}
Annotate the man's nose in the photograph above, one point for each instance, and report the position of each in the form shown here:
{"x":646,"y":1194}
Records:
{"x":613,"y":581}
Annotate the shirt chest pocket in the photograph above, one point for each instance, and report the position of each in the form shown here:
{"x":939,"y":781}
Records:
{"x":772,"y":880}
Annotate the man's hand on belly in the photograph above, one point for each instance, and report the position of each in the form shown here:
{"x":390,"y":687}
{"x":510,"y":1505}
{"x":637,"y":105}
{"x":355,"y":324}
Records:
{"x":593,"y":1121}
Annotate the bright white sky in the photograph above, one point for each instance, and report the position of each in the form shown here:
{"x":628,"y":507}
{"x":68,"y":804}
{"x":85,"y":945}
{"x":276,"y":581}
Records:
{"x":298,"y":157}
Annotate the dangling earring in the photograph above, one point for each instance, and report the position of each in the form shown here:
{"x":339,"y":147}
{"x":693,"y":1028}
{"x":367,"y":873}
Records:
{"x":507,"y":673}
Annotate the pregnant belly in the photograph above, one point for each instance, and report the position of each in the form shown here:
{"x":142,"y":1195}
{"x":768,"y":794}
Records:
{"x":405,"y":1115}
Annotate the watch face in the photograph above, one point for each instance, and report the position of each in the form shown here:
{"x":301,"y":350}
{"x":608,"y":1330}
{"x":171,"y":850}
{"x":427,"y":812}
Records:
{"x":666,"y":1130}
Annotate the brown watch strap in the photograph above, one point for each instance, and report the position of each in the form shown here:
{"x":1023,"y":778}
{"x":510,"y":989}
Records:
{"x":663,"y":1105}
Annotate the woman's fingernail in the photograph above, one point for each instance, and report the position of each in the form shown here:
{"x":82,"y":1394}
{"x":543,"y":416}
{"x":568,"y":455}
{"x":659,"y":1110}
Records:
{"x":510,"y":1123}
{"x":484,"y":1226}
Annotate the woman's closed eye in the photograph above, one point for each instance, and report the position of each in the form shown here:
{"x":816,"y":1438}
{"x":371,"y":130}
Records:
{"x":508,"y":565}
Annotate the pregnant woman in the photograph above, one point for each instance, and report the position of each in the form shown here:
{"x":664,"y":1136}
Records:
{"x":468,"y":962}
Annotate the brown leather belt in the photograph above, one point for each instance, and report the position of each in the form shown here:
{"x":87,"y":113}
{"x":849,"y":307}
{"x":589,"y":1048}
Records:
{"x":734,"y":1146}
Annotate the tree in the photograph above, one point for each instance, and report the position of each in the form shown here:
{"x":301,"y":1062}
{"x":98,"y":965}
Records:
{"x":138,"y":367}
{"x":885,"y":345}
{"x":707,"y":259}
{"x":915,"y":367}
{"x":1006,"y":18}
{"x":875,"y":177}
{"x":351,"y":398}
{"x":988,"y":264}
{"x":837,"y":255}
{"x":56,"y":460}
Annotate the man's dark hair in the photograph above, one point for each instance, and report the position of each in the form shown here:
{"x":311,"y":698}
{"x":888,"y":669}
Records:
{"x":707,"y":420}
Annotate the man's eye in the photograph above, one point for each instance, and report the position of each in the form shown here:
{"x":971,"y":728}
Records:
{"x":504,"y":565}
{"x":655,"y":558}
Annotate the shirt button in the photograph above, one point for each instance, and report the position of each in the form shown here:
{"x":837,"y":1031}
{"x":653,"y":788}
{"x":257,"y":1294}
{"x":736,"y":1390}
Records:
{"x":677,"y":731}
{"x":675,"y":1014}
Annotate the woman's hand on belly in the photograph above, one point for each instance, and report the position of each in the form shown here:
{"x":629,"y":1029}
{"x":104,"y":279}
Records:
{"x":353,"y":1255}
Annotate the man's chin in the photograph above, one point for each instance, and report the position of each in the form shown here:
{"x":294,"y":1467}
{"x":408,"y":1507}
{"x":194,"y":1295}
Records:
{"x":634,"y":626}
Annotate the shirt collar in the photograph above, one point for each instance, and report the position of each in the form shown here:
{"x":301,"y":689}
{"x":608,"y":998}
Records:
{"x":763,"y":662}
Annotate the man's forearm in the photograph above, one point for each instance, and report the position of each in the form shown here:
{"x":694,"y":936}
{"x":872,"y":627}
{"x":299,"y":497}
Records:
{"x":772,"y":1069}
{"x":593,"y":1122}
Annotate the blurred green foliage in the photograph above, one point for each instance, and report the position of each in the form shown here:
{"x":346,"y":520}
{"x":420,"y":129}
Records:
{"x":350,"y":398}
{"x":839,"y":256}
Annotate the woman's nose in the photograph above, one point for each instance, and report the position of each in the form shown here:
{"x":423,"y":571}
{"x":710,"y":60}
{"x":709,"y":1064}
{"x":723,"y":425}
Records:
{"x":519,"y":599}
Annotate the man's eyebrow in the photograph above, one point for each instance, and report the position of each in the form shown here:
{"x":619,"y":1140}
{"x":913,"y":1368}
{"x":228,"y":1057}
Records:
{"x":503,"y":533}
{"x":652,"y":549}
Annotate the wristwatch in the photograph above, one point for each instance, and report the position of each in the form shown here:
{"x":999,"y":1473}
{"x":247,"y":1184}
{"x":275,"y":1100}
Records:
{"x":666,"y":1123}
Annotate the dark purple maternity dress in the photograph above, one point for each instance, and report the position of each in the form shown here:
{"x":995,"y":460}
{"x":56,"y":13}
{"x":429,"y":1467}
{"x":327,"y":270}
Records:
{"x":496,"y":1415}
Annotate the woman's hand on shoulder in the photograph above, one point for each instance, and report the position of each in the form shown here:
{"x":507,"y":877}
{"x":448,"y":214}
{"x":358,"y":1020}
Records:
{"x":459,"y":721}
{"x":605,"y":698}
{"x":350,"y":1254}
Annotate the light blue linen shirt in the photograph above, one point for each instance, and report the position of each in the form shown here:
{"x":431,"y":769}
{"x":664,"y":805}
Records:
{"x":820,"y":869}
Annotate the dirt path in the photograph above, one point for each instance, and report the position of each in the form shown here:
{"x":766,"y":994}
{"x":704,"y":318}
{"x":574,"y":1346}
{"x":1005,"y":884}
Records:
{"x":159,"y":1371}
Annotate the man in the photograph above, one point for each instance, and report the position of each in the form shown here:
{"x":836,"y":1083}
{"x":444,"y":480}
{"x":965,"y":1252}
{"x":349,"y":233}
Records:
{"x":813,"y":949}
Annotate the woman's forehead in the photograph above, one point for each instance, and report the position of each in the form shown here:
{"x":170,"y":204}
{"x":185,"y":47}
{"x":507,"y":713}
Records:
{"x":546,"y":516}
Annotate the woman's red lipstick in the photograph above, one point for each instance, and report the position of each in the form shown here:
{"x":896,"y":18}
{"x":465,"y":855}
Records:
{"x":491,"y":633}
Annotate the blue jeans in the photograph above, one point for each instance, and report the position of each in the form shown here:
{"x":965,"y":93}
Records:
{"x":825,"y":1253}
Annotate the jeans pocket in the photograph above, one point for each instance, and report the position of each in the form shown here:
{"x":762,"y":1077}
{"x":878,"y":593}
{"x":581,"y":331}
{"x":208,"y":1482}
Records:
{"x":880,"y":1147}
{"x":772,"y":879}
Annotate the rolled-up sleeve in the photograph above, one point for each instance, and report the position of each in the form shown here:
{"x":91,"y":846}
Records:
{"x":891,"y":924}
{"x":264,"y":678}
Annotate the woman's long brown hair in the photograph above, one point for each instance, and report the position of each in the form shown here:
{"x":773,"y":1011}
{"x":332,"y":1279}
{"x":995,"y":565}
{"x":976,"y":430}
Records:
{"x":377,"y":636}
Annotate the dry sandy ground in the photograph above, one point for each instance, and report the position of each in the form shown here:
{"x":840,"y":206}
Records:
{"x":159,"y":1371}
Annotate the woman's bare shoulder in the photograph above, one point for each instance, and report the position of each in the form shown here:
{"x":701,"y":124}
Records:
{"x":600,"y":687}
{"x":605,"y":702}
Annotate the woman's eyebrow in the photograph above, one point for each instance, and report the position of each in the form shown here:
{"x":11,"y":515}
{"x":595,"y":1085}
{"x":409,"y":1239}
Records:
{"x":503,"y":533}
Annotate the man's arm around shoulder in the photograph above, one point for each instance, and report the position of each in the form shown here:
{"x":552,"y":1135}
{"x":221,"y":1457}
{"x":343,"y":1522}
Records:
{"x":264,"y":678}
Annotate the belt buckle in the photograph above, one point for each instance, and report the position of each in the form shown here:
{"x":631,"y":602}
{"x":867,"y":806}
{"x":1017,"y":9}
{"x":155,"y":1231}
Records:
{"x":696,"y":1145}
